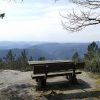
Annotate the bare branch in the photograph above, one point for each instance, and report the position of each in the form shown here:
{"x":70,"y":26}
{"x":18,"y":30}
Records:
{"x":93,"y":4}
{"x":76,"y":22}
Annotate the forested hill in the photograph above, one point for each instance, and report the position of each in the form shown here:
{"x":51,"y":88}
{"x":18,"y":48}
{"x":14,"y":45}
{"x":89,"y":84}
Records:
{"x":47,"y":50}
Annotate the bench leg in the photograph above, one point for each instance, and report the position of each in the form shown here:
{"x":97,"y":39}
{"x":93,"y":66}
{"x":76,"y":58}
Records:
{"x":72,"y":78}
{"x":41,"y":82}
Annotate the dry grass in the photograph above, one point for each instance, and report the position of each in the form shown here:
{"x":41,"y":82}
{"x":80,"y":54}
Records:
{"x":96,"y":77}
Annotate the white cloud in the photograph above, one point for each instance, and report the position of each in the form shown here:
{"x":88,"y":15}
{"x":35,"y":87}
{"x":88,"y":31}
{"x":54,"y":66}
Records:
{"x":39,"y":22}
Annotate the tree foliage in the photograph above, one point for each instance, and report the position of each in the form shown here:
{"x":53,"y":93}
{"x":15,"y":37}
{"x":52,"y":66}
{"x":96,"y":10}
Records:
{"x":91,"y":51}
{"x":2,"y":64}
{"x":41,"y":58}
{"x":2,"y":15}
{"x":22,"y":60}
{"x":10,"y":59}
{"x":19,"y":62}
{"x":92,"y":58}
{"x":76,"y":57}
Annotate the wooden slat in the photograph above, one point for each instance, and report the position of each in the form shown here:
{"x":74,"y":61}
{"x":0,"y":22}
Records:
{"x":53,"y":74}
{"x":61,"y":74}
{"x":56,"y":67}
{"x":53,"y":67}
{"x":48,"y":62}
{"x":39,"y":69}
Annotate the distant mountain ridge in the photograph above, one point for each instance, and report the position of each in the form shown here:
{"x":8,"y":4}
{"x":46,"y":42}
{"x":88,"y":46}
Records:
{"x":62,"y":50}
{"x":44,"y":49}
{"x":16,"y":45}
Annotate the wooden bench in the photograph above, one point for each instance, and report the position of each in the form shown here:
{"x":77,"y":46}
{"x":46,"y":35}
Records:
{"x":45,"y":69}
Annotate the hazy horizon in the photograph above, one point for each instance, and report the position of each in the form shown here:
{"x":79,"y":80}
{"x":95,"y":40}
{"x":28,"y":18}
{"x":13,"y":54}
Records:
{"x":45,"y":41}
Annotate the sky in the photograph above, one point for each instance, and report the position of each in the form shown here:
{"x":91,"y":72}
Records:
{"x":39,"y":20}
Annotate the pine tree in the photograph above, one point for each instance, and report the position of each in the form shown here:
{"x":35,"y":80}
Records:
{"x":92,"y":58}
{"x":2,"y":64}
{"x":76,"y":57}
{"x":22,"y":60}
{"x":10,"y":60}
{"x":41,"y":58}
{"x":31,"y":58}
{"x":91,"y":51}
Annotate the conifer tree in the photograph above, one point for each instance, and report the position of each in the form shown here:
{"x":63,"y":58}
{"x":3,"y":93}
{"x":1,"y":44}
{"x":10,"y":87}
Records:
{"x":22,"y":60}
{"x":41,"y":58}
{"x":10,"y":60}
{"x":76,"y":57}
{"x":92,"y":58}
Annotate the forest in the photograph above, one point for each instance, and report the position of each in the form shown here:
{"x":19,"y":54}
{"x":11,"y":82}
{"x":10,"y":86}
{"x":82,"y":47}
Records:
{"x":91,"y":59}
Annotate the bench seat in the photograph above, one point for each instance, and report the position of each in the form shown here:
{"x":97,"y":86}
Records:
{"x":34,"y":76}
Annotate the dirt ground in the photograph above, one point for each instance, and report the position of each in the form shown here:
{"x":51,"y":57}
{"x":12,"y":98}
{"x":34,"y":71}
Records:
{"x":16,"y":85}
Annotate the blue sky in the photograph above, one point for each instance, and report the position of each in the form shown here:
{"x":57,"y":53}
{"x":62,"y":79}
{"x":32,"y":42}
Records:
{"x":39,"y":20}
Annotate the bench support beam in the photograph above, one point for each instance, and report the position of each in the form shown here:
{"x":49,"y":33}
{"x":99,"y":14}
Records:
{"x":41,"y":82}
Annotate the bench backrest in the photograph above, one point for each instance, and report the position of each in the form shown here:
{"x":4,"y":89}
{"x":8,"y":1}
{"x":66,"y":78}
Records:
{"x":52,"y":67}
{"x":56,"y":67}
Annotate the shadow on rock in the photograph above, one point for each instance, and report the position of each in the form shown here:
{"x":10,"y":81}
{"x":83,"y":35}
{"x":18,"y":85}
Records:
{"x":65,"y":85}
{"x":79,"y":96}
